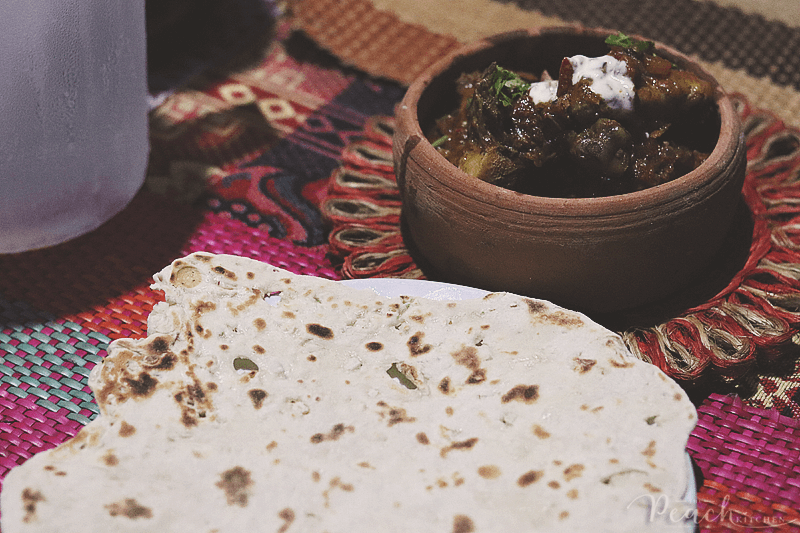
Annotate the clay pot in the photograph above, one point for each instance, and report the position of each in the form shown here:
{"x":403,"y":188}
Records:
{"x":589,"y":254}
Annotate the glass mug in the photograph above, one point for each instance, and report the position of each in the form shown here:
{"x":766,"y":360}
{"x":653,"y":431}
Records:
{"x":73,"y":116}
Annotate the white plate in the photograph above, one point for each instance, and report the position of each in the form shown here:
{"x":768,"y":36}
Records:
{"x":434,"y":290}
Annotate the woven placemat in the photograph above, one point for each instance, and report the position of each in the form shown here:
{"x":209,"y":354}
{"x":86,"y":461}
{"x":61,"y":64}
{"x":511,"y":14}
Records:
{"x":749,"y":463}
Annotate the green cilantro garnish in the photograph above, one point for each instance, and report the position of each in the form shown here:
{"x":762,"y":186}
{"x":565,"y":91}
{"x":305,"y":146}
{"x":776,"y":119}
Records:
{"x":623,"y":41}
{"x":440,"y":141}
{"x":397,"y":374}
{"x":507,"y":85}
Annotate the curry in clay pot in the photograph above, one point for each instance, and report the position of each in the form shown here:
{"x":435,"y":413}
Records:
{"x":578,"y":165}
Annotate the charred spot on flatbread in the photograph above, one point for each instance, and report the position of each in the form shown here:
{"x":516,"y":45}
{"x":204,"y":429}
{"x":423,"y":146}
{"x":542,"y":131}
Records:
{"x":374,"y":346}
{"x":522,"y":393}
{"x":535,"y":307}
{"x":467,"y":356}
{"x":336,"y":483}
{"x":583,"y":366}
{"x":160,"y":361}
{"x":541,"y":313}
{"x":467,"y":444}
{"x":573,"y":471}
{"x":236,"y":484}
{"x":30,"y":501}
{"x":334,"y":434}
{"x":477,"y":376}
{"x":540,"y":432}
{"x":129,"y":508}
{"x":564,"y":319}
{"x":142,"y":386}
{"x":620,"y":363}
{"x":650,"y":451}
{"x":288,"y":516}
{"x":489,"y":471}
{"x":109,"y":459}
{"x":320,"y":331}
{"x":422,"y":438}
{"x":530,"y":477}
{"x":257,"y":396}
{"x":444,"y":385}
{"x":225,"y":272}
{"x":126,"y":430}
{"x":158,"y":345}
{"x":394,"y":415}
{"x":415,"y":345}
{"x":253,"y":299}
{"x":204,"y":307}
{"x":652,"y":488}
{"x":193,"y":402}
{"x":463,"y":524}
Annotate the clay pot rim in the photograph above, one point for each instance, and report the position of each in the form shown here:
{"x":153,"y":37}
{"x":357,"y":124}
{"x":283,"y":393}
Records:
{"x":701,"y":182}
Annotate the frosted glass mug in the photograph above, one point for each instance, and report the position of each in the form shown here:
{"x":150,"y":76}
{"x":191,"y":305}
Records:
{"x":73,"y":116}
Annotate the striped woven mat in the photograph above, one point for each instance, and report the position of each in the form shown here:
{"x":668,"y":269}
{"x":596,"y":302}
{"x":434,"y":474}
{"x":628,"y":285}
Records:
{"x":262,"y":161}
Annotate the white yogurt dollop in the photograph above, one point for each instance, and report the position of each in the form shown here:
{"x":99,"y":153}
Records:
{"x":609,"y":81}
{"x":543,"y":91}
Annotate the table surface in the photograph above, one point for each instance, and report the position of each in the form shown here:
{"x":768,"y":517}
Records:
{"x":255,"y":146}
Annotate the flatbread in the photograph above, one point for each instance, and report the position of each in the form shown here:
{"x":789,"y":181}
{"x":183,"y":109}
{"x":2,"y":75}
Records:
{"x":261,"y":401}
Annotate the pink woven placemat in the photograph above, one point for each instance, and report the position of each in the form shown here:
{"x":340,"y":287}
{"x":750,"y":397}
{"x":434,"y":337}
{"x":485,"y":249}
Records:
{"x":750,"y":464}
